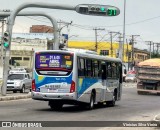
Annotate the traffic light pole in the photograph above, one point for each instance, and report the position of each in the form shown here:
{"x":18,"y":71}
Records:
{"x":2,"y":42}
{"x":51,"y":6}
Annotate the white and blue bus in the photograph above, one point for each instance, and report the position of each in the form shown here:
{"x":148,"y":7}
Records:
{"x":76,"y":76}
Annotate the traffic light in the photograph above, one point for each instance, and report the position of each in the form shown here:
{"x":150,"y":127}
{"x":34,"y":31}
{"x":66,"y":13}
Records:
{"x":98,"y":10}
{"x":6,"y":39}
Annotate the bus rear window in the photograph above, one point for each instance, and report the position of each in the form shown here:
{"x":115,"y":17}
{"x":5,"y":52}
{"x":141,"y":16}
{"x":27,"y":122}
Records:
{"x":54,"y":61}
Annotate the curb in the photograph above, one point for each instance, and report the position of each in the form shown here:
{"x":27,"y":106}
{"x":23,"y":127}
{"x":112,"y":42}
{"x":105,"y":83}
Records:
{"x":7,"y":98}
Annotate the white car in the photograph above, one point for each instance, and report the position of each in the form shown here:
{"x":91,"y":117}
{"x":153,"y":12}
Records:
{"x":131,"y":78}
{"x":19,"y":82}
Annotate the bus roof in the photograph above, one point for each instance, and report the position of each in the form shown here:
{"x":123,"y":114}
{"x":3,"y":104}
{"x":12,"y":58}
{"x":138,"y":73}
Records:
{"x":84,"y":53}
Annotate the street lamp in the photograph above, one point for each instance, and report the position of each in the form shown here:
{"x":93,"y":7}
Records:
{"x":124,"y":23}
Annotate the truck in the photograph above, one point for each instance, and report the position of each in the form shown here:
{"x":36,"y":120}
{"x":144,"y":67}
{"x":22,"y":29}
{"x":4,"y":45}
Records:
{"x":148,"y":76}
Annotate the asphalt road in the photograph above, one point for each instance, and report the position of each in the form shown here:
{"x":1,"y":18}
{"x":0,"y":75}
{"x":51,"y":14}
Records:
{"x":132,"y":107}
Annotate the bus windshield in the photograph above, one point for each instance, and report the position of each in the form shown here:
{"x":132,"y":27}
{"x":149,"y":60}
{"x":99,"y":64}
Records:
{"x":54,"y":61}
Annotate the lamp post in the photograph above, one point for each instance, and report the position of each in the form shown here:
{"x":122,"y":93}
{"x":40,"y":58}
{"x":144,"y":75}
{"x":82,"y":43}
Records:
{"x":124,"y":27}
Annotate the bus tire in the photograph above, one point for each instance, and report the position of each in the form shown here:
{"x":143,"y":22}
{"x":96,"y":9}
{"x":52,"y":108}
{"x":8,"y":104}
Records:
{"x":92,"y":100}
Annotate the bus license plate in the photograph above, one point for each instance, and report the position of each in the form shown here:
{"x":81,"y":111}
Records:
{"x":53,"y":87}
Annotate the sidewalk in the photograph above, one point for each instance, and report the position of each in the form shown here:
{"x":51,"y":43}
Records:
{"x":15,"y":96}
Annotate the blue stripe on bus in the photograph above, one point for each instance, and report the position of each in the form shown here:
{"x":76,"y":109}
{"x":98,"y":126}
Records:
{"x":84,"y":84}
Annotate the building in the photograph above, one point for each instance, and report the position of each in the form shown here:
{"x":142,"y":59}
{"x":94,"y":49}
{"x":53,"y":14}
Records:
{"x":41,"y":29}
{"x":140,"y":55}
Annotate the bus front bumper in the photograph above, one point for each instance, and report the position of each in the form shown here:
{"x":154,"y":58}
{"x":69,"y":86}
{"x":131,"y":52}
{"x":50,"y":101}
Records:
{"x":53,"y":96}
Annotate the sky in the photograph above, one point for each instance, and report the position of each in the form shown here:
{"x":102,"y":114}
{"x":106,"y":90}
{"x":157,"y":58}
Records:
{"x":142,"y":18}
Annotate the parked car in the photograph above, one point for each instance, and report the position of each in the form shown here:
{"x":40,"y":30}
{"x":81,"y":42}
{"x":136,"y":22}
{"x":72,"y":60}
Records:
{"x":19,"y":82}
{"x":131,"y":78}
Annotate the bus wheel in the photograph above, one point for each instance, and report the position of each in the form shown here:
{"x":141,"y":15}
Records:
{"x":91,"y":103}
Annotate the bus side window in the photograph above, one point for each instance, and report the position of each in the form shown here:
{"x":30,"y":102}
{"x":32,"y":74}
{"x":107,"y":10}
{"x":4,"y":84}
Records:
{"x":99,"y":69}
{"x":95,"y":68}
{"x":81,"y":67}
{"x":89,"y":68}
{"x":114,"y":70}
{"x":117,"y":69}
{"x":109,"y":70}
{"x":104,"y":73}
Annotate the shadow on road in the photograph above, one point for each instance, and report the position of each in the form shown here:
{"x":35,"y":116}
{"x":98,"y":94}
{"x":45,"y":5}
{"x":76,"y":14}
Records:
{"x":75,"y":109}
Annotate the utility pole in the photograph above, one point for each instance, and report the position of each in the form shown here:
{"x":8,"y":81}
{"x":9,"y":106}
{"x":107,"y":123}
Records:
{"x":133,"y":41}
{"x":120,"y":49}
{"x":60,"y":28}
{"x":111,"y":36}
{"x":150,"y":45}
{"x":157,"y":46}
{"x":153,"y":47}
{"x":96,"y":45}
{"x":127,"y":54}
